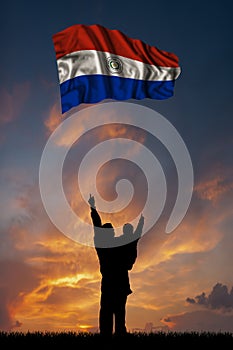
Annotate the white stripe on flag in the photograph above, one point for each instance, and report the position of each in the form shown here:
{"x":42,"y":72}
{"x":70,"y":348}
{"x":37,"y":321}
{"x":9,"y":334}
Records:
{"x":89,"y":62}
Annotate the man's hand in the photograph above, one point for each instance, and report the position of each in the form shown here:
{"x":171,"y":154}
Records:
{"x":91,"y":201}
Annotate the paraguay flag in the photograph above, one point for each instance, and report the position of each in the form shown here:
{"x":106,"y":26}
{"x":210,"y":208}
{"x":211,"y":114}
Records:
{"x":95,"y":63}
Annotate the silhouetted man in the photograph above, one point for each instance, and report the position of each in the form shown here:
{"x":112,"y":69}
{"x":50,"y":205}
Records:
{"x":116,"y":256}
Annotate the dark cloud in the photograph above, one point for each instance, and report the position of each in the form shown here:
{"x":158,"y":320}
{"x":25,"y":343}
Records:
{"x":219,"y":298}
{"x":201,"y":321}
{"x":191,"y":300}
{"x":202,"y":299}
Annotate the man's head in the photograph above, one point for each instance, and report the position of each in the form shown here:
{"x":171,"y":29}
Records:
{"x":128,"y":229}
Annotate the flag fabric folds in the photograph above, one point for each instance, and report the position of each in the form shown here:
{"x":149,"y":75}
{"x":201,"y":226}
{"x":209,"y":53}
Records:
{"x":95,"y":63}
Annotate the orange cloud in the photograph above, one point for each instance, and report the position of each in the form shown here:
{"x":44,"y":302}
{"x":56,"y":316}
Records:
{"x":79,"y":126}
{"x":64,"y":275}
{"x":194,"y":235}
{"x":68,"y":285}
{"x":214,"y":187}
{"x":54,"y":118}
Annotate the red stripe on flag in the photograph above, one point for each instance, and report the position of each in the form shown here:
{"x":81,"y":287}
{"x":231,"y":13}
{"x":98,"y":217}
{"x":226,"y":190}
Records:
{"x":95,"y":37}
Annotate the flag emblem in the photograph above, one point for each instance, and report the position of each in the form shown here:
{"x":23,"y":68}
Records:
{"x":114,"y":64}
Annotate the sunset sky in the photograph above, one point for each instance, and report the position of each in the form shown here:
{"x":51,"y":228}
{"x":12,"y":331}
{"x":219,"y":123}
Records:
{"x":180,"y":281}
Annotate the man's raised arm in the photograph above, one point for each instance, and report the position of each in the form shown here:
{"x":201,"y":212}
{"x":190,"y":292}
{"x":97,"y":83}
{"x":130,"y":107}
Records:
{"x":96,"y":220}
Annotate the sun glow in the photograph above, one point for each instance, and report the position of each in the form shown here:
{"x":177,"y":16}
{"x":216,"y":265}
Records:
{"x":70,"y":281}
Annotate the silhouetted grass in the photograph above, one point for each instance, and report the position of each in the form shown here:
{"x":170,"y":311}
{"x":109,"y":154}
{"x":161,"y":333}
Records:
{"x":88,"y":340}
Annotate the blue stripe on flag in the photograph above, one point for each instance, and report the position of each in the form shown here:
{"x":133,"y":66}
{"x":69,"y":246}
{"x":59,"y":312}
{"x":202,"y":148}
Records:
{"x":94,"y":88}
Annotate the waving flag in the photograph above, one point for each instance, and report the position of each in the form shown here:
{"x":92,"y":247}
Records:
{"x":95,"y":63}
